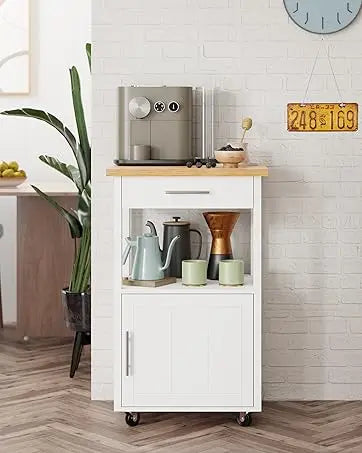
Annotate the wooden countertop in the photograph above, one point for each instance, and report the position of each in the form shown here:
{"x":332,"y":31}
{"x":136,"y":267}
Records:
{"x":184,"y":171}
{"x":25,"y":190}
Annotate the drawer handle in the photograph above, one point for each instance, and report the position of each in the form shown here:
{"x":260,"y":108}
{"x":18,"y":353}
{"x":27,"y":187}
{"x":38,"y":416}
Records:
{"x":187,"y":192}
{"x":127,"y":353}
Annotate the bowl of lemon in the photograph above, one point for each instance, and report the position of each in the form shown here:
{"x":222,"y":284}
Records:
{"x":11,"y":175}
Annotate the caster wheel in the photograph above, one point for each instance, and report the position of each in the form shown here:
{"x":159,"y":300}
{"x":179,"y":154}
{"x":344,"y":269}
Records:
{"x":132,"y":419}
{"x":208,"y":165}
{"x":213,"y":164}
{"x":244,"y":419}
{"x":189,"y":164}
{"x":198,"y":164}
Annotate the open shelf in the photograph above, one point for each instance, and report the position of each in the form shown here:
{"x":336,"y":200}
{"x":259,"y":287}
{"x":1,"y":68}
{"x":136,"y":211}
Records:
{"x":211,"y":287}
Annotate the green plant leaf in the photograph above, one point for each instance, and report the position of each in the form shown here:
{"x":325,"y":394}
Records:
{"x":59,"y":126}
{"x":69,"y":171}
{"x":74,"y":224}
{"x":80,"y":119}
{"x":84,"y":207}
{"x":88,"y":49}
{"x":75,"y":176}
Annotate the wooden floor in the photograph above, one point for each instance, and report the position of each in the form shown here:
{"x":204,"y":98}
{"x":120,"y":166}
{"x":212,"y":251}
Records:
{"x":43,"y":411}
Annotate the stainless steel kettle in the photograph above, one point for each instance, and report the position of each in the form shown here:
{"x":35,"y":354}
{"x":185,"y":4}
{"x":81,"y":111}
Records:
{"x":182,"y":249}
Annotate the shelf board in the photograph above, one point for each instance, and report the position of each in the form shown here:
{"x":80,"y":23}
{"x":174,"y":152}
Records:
{"x":212,"y":287}
{"x":52,"y":189}
{"x":184,"y":171}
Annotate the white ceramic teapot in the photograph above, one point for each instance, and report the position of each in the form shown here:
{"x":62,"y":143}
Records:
{"x":147,"y":263}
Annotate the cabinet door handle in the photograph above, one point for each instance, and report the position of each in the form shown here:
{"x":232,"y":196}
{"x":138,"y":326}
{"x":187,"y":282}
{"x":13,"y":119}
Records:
{"x":187,"y":192}
{"x":127,"y":353}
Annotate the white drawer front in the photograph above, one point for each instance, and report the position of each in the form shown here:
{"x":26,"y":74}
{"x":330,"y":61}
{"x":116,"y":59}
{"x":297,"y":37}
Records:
{"x":187,"y":192}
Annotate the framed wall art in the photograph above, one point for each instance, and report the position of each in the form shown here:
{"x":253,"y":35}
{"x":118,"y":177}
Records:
{"x":14,"y":47}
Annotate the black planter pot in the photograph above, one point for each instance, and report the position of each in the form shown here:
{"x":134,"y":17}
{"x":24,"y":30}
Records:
{"x":77,"y":310}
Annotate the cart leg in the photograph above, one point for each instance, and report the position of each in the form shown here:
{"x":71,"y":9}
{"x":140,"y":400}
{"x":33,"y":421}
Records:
{"x":244,"y":419}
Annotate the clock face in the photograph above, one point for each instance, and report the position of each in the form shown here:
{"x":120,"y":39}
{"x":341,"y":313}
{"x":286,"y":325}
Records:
{"x":323,"y":16}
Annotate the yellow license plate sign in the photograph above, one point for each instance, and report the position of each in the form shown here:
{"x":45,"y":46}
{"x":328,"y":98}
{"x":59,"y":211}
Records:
{"x":322,"y":117}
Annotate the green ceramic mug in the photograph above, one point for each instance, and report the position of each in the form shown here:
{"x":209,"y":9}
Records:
{"x":231,"y":272}
{"x":194,"y":272}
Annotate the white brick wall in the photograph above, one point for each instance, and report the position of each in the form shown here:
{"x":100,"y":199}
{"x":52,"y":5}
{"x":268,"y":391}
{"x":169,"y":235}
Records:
{"x":312,"y":200}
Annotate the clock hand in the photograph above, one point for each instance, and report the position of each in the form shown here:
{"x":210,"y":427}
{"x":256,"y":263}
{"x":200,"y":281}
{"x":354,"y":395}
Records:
{"x":349,"y":9}
{"x":297,"y":8}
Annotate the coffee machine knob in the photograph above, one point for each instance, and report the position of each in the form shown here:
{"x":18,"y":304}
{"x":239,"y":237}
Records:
{"x":139,"y":107}
{"x":159,"y":106}
{"x":174,"y":106}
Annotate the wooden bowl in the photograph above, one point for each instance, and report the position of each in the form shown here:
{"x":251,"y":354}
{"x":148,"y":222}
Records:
{"x":230,"y":159}
{"x":11,"y":182}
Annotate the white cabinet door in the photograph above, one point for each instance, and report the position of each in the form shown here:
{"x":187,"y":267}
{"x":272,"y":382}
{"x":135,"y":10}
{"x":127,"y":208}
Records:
{"x":187,"y":350}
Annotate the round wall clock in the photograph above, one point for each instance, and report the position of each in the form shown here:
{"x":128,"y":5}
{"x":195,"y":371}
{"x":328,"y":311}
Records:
{"x":323,"y":16}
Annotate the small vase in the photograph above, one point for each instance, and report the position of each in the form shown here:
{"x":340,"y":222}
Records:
{"x":77,"y":310}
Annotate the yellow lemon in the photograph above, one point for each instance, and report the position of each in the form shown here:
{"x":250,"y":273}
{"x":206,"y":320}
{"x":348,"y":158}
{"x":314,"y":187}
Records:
{"x":3,"y":166}
{"x":22,"y":173}
{"x":13,"y":165}
{"x":9,"y":173}
{"x":18,"y":174}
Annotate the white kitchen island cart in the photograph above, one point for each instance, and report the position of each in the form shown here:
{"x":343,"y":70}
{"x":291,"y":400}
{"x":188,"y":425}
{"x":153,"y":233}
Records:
{"x":187,"y":349}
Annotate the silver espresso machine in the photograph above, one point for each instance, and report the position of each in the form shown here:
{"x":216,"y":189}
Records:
{"x":155,"y":125}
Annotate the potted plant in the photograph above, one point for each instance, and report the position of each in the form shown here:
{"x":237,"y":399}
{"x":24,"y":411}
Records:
{"x":77,"y":296}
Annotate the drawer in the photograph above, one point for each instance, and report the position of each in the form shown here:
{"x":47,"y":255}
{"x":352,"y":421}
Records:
{"x":188,"y":192}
